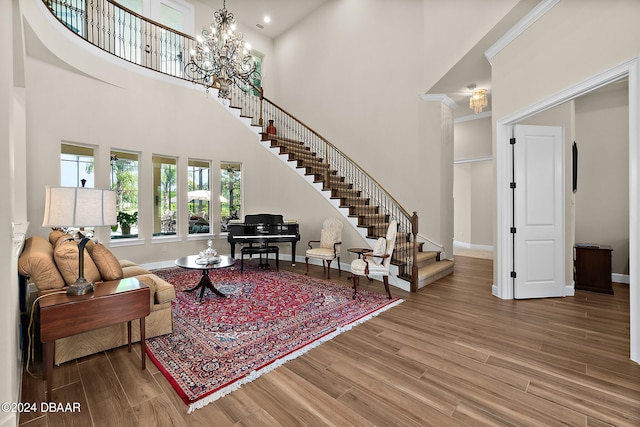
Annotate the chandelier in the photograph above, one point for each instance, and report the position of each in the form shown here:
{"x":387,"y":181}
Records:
{"x":221,"y":58}
{"x":478,"y":99}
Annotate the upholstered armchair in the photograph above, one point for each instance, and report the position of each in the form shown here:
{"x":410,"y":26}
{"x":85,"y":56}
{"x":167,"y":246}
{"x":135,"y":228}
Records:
{"x":328,"y":247}
{"x":376,"y":262}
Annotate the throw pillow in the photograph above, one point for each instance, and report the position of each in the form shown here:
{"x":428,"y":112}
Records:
{"x":381,"y":247}
{"x":66,"y":256}
{"x":108,"y":265}
{"x":36,"y":261}
{"x":56,"y":234}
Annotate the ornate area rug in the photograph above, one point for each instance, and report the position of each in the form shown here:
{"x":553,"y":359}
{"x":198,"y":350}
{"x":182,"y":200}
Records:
{"x":267,"y":318}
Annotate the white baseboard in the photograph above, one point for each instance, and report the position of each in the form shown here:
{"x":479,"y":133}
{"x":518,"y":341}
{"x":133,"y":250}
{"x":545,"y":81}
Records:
{"x":620,"y":278}
{"x":472,"y":246}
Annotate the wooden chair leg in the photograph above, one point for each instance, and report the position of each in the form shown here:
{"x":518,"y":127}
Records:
{"x":385,"y":279}
{"x":328,"y":269}
{"x":356,"y":279}
{"x":306,"y":260}
{"x":339,"y":270}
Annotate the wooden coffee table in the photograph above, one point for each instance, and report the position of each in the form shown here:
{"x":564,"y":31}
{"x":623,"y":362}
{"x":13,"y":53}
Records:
{"x":205,"y":281}
{"x":111,"y":303}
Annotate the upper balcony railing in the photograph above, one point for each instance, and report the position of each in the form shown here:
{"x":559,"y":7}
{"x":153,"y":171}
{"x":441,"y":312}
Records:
{"x":134,"y":38}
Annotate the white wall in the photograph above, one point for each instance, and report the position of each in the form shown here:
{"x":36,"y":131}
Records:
{"x":353,"y":72}
{"x":602,"y":199}
{"x":452,"y":28}
{"x":11,"y":138}
{"x":473,"y":176}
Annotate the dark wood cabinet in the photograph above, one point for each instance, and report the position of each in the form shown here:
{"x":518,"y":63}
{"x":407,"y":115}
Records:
{"x":593,"y":267}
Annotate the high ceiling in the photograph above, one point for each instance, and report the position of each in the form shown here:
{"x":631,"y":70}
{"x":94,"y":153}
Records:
{"x":473,"y":68}
{"x":283,"y":13}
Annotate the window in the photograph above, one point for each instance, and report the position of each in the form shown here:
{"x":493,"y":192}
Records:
{"x":230,"y":193}
{"x":124,"y":180}
{"x":257,"y":76}
{"x":76,"y":164}
{"x":199,"y":196}
{"x":72,"y":13}
{"x":165,"y":187}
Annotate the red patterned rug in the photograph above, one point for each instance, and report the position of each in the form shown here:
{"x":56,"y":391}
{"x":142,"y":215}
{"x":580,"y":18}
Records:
{"x":268,"y":318}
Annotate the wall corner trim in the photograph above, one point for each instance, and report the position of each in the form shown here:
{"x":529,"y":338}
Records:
{"x":439,"y":97}
{"x":520,"y":27}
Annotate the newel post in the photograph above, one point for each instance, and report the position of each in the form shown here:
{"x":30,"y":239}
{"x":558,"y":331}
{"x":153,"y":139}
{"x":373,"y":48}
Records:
{"x":414,"y":257}
{"x":260,"y":121}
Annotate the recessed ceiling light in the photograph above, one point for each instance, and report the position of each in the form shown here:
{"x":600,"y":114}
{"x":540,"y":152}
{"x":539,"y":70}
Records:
{"x":266,"y":19}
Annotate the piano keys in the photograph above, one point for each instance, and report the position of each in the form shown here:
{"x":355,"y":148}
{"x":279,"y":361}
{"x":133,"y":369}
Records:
{"x":264,"y":229}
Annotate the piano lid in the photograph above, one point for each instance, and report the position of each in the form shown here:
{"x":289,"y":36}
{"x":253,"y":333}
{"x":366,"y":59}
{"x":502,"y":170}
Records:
{"x":263,"y":219}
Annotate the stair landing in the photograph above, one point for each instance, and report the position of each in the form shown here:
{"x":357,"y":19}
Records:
{"x":431,"y":268}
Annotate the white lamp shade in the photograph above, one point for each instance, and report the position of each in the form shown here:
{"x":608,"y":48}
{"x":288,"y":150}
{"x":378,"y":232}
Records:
{"x":79,"y":207}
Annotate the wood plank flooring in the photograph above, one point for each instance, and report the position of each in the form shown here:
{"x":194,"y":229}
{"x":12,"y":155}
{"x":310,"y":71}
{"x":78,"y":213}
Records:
{"x":451,"y":354}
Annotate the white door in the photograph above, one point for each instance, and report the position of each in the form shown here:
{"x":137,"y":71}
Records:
{"x":539,"y":212}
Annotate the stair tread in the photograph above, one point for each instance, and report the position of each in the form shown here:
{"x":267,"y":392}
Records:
{"x":423,"y":256}
{"x":434,"y":268}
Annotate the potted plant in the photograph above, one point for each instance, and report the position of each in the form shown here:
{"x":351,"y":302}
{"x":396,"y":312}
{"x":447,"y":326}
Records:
{"x":126,"y":220}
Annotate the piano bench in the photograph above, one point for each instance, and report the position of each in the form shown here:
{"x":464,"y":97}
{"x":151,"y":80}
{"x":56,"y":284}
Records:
{"x":252,"y":250}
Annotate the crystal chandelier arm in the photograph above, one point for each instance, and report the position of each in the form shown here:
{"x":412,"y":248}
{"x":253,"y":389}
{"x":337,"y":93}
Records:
{"x":221,"y":58}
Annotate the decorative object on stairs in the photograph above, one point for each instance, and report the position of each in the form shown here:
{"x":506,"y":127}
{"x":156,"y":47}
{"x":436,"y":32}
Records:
{"x":376,"y":262}
{"x":221,"y":57}
{"x":271,"y":129}
{"x":268,"y":318}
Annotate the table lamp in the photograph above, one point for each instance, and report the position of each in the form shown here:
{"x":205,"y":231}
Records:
{"x":79,"y":207}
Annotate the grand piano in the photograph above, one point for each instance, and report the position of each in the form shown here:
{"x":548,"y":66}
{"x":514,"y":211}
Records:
{"x":264,"y":229}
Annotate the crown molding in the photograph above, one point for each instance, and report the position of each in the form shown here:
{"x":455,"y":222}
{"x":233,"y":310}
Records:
{"x":439,"y":97}
{"x":473,"y":160}
{"x":471,"y":117}
{"x":536,"y":13}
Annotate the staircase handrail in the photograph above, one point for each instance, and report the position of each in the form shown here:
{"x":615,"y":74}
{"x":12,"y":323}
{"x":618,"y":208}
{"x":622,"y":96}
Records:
{"x":254,"y":104}
{"x":346,"y":156}
{"x":110,"y":26}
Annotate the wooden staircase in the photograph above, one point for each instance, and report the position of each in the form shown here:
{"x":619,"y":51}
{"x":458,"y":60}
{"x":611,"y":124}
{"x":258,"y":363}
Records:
{"x":368,"y":215}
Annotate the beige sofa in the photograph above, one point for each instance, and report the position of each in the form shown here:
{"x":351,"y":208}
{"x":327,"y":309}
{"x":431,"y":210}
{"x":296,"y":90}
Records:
{"x":53,"y":264}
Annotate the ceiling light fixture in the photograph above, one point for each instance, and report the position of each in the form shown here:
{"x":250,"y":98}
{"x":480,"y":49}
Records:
{"x":267,"y":19}
{"x":221,"y":58}
{"x":478,"y":99}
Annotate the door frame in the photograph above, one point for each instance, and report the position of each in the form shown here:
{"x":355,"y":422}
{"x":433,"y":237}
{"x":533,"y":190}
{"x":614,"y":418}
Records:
{"x":503,"y":286}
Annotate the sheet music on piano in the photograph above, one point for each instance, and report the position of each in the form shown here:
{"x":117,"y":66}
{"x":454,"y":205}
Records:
{"x":264,"y":229}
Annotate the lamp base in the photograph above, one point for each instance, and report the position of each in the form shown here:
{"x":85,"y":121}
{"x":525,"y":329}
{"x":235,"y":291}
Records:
{"x":80,"y":287}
